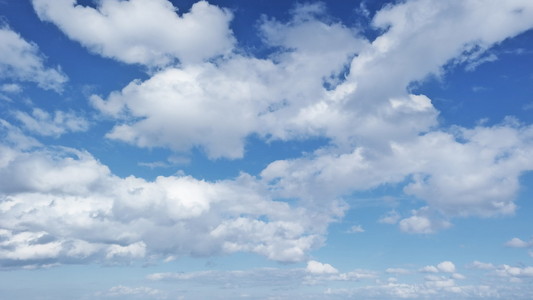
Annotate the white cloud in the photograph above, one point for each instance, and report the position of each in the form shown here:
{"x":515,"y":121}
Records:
{"x":421,"y":224}
{"x":148,"y":32}
{"x":429,"y":269}
{"x":316,"y":273}
{"x":356,"y":229}
{"x":391,"y":217}
{"x":43,"y":123}
{"x":433,"y":287}
{"x":446,"y":266}
{"x":398,"y":271}
{"x":380,"y":133}
{"x":11,"y":88}
{"x":136,"y":292}
{"x":22,"y":61}
{"x":315,"y":267}
{"x":481,"y":178}
{"x":71,"y":208}
{"x":514,"y":272}
{"x":518,"y":243}
{"x":481,"y":265}
{"x":276,"y":98}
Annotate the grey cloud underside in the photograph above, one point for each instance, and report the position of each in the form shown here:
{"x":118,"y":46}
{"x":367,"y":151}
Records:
{"x":379,"y":133}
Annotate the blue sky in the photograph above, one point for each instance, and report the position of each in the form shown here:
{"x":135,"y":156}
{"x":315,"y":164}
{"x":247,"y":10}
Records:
{"x":156,"y":149}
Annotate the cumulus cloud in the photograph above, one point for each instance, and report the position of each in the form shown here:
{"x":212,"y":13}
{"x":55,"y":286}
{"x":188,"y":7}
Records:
{"x":514,"y":272}
{"x":446,"y":266}
{"x":43,"y":123}
{"x":422,"y":222}
{"x":379,"y":132}
{"x":148,"y":32}
{"x":276,"y":98}
{"x":71,"y":208}
{"x":315,"y":267}
{"x":22,"y":61}
{"x":518,"y":243}
{"x":324,"y":80}
{"x":481,"y":178}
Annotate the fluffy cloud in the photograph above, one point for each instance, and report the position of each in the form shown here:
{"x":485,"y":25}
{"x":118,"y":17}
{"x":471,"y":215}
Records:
{"x":276,"y":98}
{"x":315,"y":267}
{"x":71,"y":208}
{"x":147,"y":32}
{"x":421,"y":224}
{"x":443,"y":267}
{"x":446,"y":266}
{"x":42,"y":123}
{"x":514,"y":272}
{"x":379,"y":132}
{"x":518,"y":243}
{"x":481,"y":178}
{"x":22,"y":61}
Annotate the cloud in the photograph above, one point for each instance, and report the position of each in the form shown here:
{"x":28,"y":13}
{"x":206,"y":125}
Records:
{"x":324,"y":80}
{"x":422,"y":222}
{"x":71,"y":208}
{"x":275,"y":98}
{"x":433,"y":287}
{"x":391,"y":217}
{"x":315,"y":273}
{"x":398,"y":271}
{"x":518,"y":243}
{"x":379,"y":132}
{"x":43,"y":123}
{"x":136,"y":292}
{"x":514,"y":272}
{"x":446,"y":266}
{"x":147,"y":32}
{"x":481,"y":178}
{"x":482,"y":265}
{"x":429,"y":269}
{"x":22,"y":61}
{"x":356,"y":229}
{"x":315,"y":267}
{"x":11,"y":88}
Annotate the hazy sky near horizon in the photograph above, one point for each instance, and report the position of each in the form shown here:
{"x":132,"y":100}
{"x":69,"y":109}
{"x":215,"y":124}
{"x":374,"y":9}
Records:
{"x":157,"y":149}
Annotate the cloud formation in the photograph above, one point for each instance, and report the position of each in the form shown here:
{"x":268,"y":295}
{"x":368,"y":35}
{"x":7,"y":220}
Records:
{"x":147,"y":32}
{"x":322,"y":79}
{"x":70,"y":208}
{"x":22,"y":61}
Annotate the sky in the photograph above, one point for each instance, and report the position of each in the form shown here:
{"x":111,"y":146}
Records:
{"x":157,"y":149}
